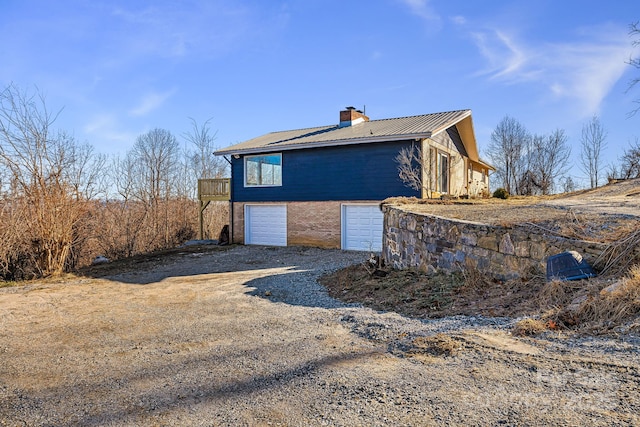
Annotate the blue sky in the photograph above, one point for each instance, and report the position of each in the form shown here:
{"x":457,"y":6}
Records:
{"x":121,"y":68}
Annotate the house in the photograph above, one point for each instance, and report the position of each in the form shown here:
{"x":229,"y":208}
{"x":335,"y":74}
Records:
{"x":322,"y":186}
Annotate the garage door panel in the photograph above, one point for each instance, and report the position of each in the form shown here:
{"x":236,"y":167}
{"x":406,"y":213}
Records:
{"x":362,"y":227}
{"x":266,"y":225}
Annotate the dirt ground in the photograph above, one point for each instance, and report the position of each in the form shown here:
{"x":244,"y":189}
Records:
{"x":245,"y":336}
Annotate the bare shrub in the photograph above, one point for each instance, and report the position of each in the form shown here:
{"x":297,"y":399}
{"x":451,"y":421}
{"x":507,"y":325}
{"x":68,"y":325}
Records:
{"x":44,"y":192}
{"x":126,"y":228}
{"x":556,"y":293}
{"x":613,"y":306}
{"x":215,"y":216}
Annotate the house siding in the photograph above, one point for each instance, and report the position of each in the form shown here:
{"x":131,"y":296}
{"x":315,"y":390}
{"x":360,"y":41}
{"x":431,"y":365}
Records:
{"x":352,"y":172}
{"x":448,"y":142}
{"x":478,"y":180}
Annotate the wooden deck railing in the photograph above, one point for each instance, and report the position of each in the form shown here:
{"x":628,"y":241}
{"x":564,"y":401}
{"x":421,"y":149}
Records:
{"x":214,"y":189}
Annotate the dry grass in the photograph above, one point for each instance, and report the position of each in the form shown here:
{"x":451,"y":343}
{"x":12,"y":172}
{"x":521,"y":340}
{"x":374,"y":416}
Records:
{"x":414,"y":293}
{"x":422,"y":295}
{"x":436,"y":345}
{"x":529,"y":327}
{"x":583,"y":305}
{"x":623,"y":251}
{"x":614,"y":305}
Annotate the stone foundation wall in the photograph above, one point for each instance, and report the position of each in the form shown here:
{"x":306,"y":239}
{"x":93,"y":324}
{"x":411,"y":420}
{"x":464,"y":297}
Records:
{"x":423,"y":242}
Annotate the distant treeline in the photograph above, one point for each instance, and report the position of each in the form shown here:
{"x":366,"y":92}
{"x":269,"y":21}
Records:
{"x":62,"y":204}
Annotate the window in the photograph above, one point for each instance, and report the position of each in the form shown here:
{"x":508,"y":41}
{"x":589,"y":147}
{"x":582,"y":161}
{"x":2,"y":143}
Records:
{"x":433,"y":167}
{"x":443,"y":173}
{"x":263,"y":171}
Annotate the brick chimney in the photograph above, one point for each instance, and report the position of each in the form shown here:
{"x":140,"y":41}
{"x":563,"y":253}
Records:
{"x":350,"y":116}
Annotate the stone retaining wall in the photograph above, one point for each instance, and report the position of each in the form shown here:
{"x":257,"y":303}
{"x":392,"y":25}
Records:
{"x":425,"y":242}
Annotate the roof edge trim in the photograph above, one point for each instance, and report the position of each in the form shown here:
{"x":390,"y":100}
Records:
{"x":355,"y":141}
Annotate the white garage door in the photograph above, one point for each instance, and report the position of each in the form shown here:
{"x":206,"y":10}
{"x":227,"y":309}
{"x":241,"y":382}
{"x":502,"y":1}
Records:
{"x":362,"y":227}
{"x":265,"y":225}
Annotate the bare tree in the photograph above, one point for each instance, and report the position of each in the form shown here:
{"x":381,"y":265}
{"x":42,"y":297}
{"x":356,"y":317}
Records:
{"x":567,"y":184}
{"x":45,"y":197}
{"x":124,"y":216}
{"x":424,"y":172}
{"x":86,"y":172}
{"x":204,"y":163}
{"x":506,"y":149}
{"x":592,"y":144}
{"x":630,"y":161}
{"x":199,"y":161}
{"x":634,"y":32}
{"x":549,"y":159}
{"x":410,"y":167}
{"x":155,"y":160}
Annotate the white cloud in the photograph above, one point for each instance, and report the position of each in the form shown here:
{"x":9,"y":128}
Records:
{"x":99,"y":122}
{"x":105,"y":129}
{"x":503,"y":55}
{"x":581,"y":71}
{"x":423,"y":9}
{"x":588,"y":72}
{"x":150,"y":102}
{"x":170,"y":29}
{"x":458,"y":20}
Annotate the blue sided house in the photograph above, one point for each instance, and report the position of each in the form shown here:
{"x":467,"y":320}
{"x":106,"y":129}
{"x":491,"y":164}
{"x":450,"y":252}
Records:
{"x":322,"y":186}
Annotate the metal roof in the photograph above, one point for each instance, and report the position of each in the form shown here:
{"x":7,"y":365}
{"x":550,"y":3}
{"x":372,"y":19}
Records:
{"x":423,"y":126}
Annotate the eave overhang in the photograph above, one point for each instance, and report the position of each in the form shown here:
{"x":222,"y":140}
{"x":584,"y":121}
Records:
{"x":352,"y":141}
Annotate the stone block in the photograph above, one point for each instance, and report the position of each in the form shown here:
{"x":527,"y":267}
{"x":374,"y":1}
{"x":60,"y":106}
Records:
{"x":537,"y":250}
{"x":522,"y":248}
{"x":506,"y":245}
{"x":453,"y":234}
{"x":488,"y":242}
{"x":468,"y":238}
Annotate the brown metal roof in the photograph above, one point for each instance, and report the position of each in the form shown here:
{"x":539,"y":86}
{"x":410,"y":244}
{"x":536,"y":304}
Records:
{"x":423,"y":126}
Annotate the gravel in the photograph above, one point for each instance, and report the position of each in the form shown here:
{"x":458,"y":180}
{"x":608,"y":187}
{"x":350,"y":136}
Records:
{"x":247,"y":337}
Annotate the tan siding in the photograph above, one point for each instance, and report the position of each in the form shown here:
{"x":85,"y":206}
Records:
{"x":457,"y":174}
{"x":314,"y":224}
{"x":238,"y":223}
{"x":476,"y":184}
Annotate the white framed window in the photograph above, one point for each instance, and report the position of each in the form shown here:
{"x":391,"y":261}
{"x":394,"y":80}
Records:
{"x":264,"y":170}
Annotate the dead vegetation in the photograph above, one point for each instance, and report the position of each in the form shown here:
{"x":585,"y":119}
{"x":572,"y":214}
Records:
{"x":529,"y":327}
{"x":435,"y":345}
{"x":422,"y":295}
{"x":603,"y":309}
{"x":600,"y":305}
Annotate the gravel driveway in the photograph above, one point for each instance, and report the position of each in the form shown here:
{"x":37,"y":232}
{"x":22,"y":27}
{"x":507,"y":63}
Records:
{"x":246,"y":337}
